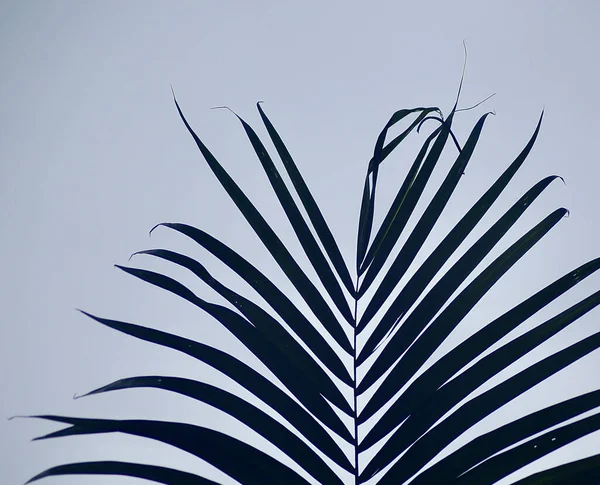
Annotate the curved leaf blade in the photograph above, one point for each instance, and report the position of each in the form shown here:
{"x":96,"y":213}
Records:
{"x":271,"y":241}
{"x":405,"y":211}
{"x":311,"y":207}
{"x":487,"y":445}
{"x":509,"y":461}
{"x":467,"y":415}
{"x":582,"y":472}
{"x":422,"y":229}
{"x":268,"y":354}
{"x":424,"y":387}
{"x":441,"y":327}
{"x":250,"y":415}
{"x":305,"y":237}
{"x":390,"y":220}
{"x":270,"y":329}
{"x":153,"y":473}
{"x":233,"y":457}
{"x":379,"y":155}
{"x":244,"y":375}
{"x":426,"y":272}
{"x":280,"y":303}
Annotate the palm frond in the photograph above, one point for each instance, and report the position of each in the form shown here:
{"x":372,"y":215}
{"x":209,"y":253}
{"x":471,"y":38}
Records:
{"x":308,"y":415}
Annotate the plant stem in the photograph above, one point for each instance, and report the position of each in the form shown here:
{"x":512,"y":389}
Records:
{"x":355,"y":356}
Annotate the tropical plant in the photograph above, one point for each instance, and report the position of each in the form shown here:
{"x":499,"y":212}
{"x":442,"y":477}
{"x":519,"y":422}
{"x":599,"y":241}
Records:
{"x":415,"y":410}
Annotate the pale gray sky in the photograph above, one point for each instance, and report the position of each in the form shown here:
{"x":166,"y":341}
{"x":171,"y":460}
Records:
{"x":93,"y":154}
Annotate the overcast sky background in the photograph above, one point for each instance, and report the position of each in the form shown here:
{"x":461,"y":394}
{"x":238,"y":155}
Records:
{"x":93,"y":154}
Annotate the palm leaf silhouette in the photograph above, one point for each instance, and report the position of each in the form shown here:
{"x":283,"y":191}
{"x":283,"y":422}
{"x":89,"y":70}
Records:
{"x":413,"y":411}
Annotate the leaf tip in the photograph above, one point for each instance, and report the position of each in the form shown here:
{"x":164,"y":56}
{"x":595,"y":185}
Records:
{"x":89,"y":315}
{"x":152,"y":230}
{"x":225,"y":107}
{"x":233,"y":112}
{"x":145,"y":251}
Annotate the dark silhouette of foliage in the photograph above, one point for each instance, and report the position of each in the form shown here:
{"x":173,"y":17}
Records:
{"x":403,"y":325}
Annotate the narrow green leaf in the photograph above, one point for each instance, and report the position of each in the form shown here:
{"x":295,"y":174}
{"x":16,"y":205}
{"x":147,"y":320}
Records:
{"x":450,"y":317}
{"x":581,"y":472}
{"x":466,"y":416}
{"x":423,"y":387}
{"x":244,"y":375}
{"x":386,"y":225}
{"x":237,"y":459}
{"x":449,"y":283}
{"x":305,"y":237}
{"x":505,"y":463}
{"x":380,"y":153}
{"x":276,"y":248}
{"x":311,"y":207}
{"x":272,"y":295}
{"x":414,"y":193}
{"x":427,"y":271}
{"x":270,"y":328}
{"x":488,"y":444}
{"x":243,"y":411}
{"x":453,"y":392}
{"x":420,"y":232}
{"x":250,"y":337}
{"x":153,"y":473}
